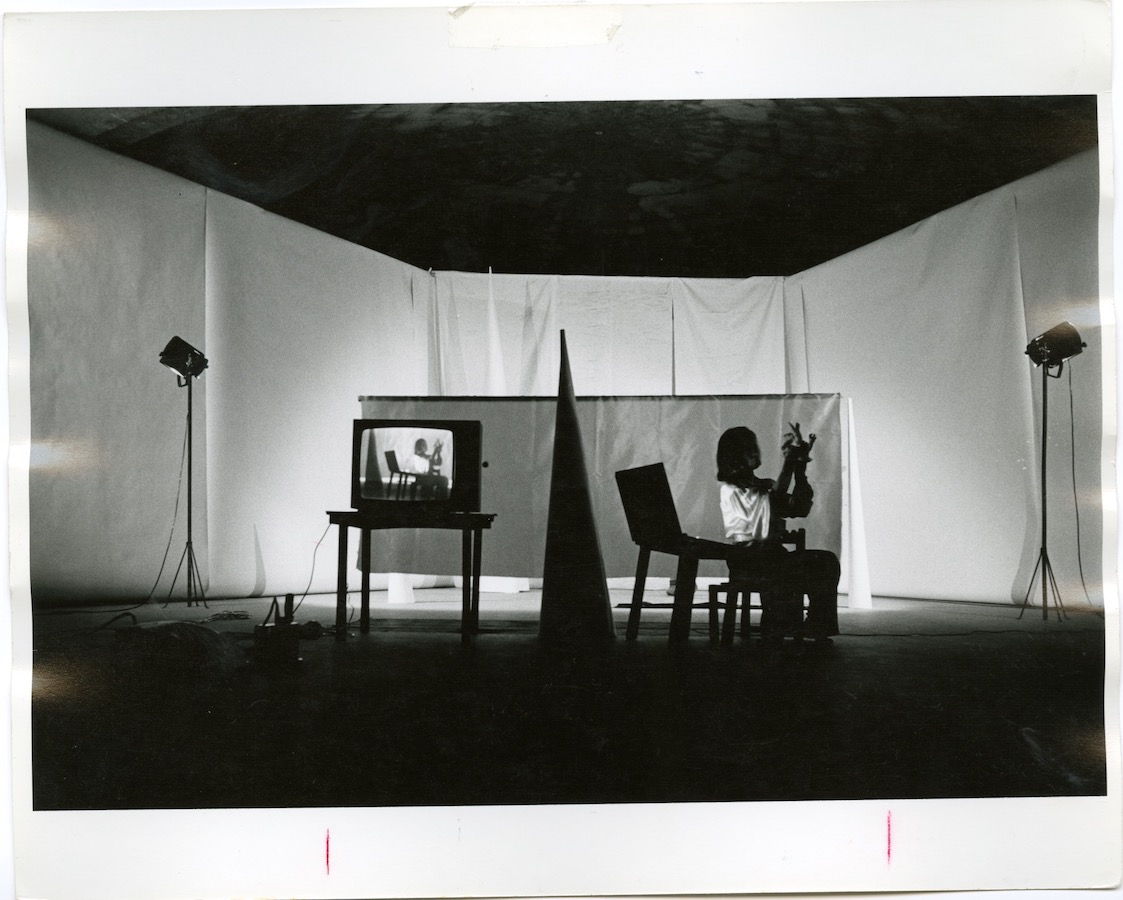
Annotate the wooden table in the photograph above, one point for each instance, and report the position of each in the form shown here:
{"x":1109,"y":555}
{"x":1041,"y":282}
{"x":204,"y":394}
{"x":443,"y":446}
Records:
{"x":471,"y":526}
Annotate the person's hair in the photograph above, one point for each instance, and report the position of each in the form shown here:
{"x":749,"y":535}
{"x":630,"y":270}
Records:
{"x":731,"y":449}
{"x":420,"y":446}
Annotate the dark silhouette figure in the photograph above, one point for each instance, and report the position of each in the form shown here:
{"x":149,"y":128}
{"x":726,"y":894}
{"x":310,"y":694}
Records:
{"x":754,"y":512}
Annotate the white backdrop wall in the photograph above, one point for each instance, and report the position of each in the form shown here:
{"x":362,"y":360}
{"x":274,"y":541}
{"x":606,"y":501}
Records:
{"x":624,"y":336}
{"x":729,"y":336}
{"x":115,"y":269}
{"x":300,"y":325}
{"x":1057,"y":263}
{"x":525,"y":315}
{"x":926,"y":331}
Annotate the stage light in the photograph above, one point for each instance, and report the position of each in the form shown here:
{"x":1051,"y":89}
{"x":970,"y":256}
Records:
{"x":187,"y":362}
{"x":183,"y":359}
{"x":1052,"y":348}
{"x":1049,"y":350}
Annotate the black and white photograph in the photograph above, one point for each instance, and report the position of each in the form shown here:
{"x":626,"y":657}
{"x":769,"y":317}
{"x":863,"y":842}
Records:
{"x":575,"y":450}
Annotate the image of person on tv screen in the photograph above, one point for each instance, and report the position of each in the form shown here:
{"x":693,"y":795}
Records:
{"x":428,"y":483}
{"x":754,"y":510}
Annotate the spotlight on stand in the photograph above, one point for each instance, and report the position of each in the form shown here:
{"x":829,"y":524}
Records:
{"x":183,"y":359}
{"x":1049,"y":351}
{"x":188,"y":364}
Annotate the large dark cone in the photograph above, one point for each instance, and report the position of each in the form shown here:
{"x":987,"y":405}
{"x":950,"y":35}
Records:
{"x":575,"y":603}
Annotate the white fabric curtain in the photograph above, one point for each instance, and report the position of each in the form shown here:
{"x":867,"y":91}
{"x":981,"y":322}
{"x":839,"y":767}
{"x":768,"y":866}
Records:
{"x":496,"y":328}
{"x":498,"y":335}
{"x":618,"y":334}
{"x":795,"y":339}
{"x":625,"y":336}
{"x":281,"y":387}
{"x":1057,"y":270}
{"x":729,"y":336}
{"x":924,"y":331}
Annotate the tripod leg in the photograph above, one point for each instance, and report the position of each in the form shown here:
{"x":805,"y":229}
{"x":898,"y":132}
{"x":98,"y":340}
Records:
{"x":199,"y":582}
{"x":1061,"y":614}
{"x":194,"y":581}
{"x":1032,"y":579}
{"x":175,"y":578}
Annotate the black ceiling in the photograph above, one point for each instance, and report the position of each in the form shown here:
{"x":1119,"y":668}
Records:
{"x":707,"y":188}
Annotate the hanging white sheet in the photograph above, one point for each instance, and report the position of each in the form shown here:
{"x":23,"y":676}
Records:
{"x":729,"y":336}
{"x":924,"y":330}
{"x":618,"y":334}
{"x":656,"y":336}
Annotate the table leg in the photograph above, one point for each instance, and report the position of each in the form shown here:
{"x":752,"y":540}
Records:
{"x":684,"y":598}
{"x":477,"y":563}
{"x":466,"y":589}
{"x":364,"y":615}
{"x":341,"y":587}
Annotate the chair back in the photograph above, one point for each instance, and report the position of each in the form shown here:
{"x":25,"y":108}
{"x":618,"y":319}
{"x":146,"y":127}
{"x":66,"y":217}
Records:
{"x":794,"y":537}
{"x":649,"y":506}
{"x":392,"y":462}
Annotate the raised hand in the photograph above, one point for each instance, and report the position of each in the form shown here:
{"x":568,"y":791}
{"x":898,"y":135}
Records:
{"x":792,"y":438}
{"x":794,"y":446}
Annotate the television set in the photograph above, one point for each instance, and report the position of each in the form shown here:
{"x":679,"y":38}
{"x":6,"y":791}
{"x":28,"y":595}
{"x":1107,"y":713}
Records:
{"x":416,"y":465}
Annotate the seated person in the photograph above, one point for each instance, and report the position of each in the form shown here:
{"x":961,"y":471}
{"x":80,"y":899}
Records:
{"x":754,"y":510}
{"x":417,"y":463}
{"x":427,"y":485}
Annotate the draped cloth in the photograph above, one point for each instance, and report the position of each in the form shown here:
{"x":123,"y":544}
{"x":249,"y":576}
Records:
{"x":496,"y":334}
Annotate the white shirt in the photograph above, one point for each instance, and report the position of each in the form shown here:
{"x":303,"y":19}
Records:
{"x":416,"y":465}
{"x":747,"y":513}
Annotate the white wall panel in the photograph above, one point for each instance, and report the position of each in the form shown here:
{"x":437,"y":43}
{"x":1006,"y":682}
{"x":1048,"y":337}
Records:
{"x":115,"y":269}
{"x":1058,"y":264}
{"x":926,"y":331}
{"x":618,"y":334}
{"x":299,"y":325}
{"x":729,"y":336}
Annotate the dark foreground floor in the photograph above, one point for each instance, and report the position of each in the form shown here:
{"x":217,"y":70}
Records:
{"x":914,"y":700}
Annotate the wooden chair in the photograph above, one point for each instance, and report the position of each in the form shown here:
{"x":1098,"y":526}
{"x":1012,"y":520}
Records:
{"x":653,"y":523}
{"x":748,"y":586}
{"x":397,"y":476}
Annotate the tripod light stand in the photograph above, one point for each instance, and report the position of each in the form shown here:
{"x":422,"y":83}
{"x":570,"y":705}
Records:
{"x":188,"y":364}
{"x":1049,"y":351}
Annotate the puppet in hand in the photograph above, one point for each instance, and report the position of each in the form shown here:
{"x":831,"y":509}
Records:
{"x":797,"y":451}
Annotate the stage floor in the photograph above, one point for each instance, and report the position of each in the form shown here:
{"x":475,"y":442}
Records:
{"x":916,"y":699}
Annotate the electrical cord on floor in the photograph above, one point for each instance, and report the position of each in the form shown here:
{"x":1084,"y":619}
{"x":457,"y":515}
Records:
{"x":175,"y":517}
{"x":312,"y":573}
{"x":120,"y":615}
{"x":1075,"y":493}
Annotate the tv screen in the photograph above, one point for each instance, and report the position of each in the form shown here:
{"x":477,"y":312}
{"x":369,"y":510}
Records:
{"x":416,"y":464}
